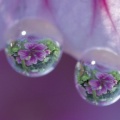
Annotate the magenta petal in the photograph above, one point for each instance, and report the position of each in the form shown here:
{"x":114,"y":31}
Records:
{"x":40,"y":47}
{"x":18,"y":60}
{"x":105,"y":76}
{"x":109,"y":86}
{"x":98,"y":92}
{"x":35,"y":46}
{"x":33,"y":60}
{"x":40,"y":55}
{"x":28,"y":63}
{"x":115,"y":82}
{"x":109,"y":78}
{"x":94,"y":84}
{"x":29,"y":46}
{"x":104,"y":90}
{"x":47,"y":52}
{"x":23,"y":54}
{"x":100,"y":75}
{"x":89,"y":89}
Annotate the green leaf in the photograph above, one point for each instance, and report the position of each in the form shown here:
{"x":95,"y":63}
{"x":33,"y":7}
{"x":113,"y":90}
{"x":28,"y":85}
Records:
{"x":15,"y":49}
{"x":56,"y":53}
{"x":79,"y":78}
{"x":46,"y":59}
{"x":113,"y":89}
{"x":116,"y":75}
{"x":113,"y":73}
{"x":57,"y":49}
{"x":85,"y":77}
{"x":80,"y":81}
{"x":9,"y":50}
{"x":48,"y":42}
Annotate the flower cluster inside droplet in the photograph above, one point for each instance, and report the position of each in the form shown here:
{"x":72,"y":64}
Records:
{"x":33,"y":56}
{"x":102,"y":83}
{"x":32,"y":53}
{"x":99,"y":83}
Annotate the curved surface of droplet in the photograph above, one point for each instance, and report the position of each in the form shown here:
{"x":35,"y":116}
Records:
{"x":34,"y":47}
{"x":97,"y":77}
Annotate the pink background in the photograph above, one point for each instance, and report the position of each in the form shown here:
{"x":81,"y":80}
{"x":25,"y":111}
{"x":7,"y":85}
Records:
{"x":52,"y":97}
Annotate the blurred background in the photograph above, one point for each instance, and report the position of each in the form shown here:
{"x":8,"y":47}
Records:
{"x":52,"y":97}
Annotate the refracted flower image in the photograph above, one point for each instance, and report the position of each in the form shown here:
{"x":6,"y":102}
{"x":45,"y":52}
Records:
{"x":100,"y":83}
{"x":35,"y":57}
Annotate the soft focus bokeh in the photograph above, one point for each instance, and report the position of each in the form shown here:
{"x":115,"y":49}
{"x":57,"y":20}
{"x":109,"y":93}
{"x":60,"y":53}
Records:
{"x":83,"y":23}
{"x":54,"y":97}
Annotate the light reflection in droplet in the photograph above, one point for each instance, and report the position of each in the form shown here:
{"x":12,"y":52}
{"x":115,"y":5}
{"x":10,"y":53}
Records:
{"x":23,"y":32}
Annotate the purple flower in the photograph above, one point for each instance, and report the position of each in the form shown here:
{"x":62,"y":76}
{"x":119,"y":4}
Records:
{"x":103,"y":83}
{"x":18,"y":60}
{"x":89,"y":89}
{"x":32,"y":53}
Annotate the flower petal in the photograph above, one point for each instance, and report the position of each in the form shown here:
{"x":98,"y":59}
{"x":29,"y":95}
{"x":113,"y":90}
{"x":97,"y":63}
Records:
{"x":18,"y":60}
{"x":109,"y":86}
{"x":23,"y":54}
{"x":98,"y":92}
{"x":95,"y":84}
{"x":115,"y":82}
{"x":100,"y":75}
{"x":89,"y":89}
{"x":47,"y":52}
{"x":109,"y":78}
{"x":40,"y":55}
{"x":35,"y":46}
{"x":103,"y":90}
{"x":105,"y":76}
{"x":29,"y":46}
{"x":31,"y":61}
{"x":40,"y":47}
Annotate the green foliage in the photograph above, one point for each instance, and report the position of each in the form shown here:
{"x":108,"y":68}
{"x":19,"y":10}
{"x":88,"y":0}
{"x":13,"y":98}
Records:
{"x":9,"y":50}
{"x":51,"y":46}
{"x":41,"y":65}
{"x":13,"y":49}
{"x":94,"y":96}
{"x":24,"y":66}
{"x":113,"y":89}
{"x":46,"y":59}
{"x":116,"y":74}
{"x":56,"y":53}
{"x":85,"y":78}
{"x":82,"y":79}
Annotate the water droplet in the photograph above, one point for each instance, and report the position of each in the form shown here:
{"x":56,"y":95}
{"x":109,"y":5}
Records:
{"x":33,"y":56}
{"x":97,"y":77}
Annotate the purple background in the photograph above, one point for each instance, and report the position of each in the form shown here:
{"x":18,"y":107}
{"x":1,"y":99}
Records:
{"x":52,"y":97}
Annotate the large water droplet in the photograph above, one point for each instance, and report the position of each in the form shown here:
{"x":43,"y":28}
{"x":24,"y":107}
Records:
{"x":33,"y":56}
{"x":97,"y":77}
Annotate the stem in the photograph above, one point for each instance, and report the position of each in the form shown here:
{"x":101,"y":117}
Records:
{"x":94,"y":96}
{"x":24,"y":66}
